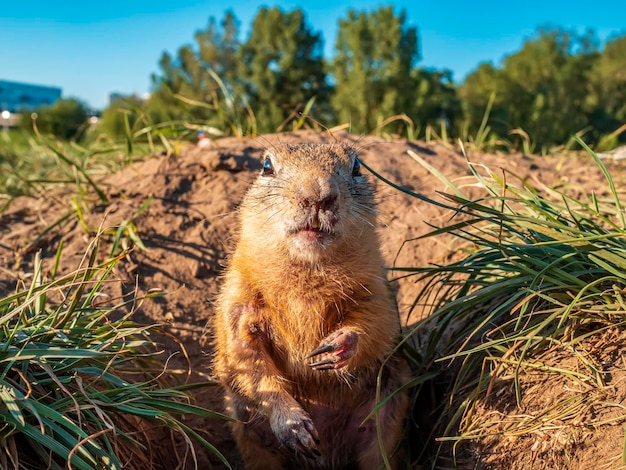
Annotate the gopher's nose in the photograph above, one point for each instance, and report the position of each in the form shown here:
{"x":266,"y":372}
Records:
{"x":320,"y":203}
{"x":318,"y":193}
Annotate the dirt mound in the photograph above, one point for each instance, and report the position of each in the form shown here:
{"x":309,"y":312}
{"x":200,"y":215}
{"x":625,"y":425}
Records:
{"x":184,"y":212}
{"x":561,"y":423}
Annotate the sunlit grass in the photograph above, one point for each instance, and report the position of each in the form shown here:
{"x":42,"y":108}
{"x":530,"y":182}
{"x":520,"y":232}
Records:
{"x":30,"y":165}
{"x":78,"y":374}
{"x":541,"y":272}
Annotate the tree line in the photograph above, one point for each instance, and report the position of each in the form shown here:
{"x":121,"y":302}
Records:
{"x":558,"y":84}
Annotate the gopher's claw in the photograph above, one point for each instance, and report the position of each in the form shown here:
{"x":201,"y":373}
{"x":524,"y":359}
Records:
{"x":320,"y":350}
{"x":324,"y":364}
{"x":295,"y":430}
{"x":337,"y":349}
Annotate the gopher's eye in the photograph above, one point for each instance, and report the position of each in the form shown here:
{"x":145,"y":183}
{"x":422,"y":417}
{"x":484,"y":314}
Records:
{"x":268,"y":168}
{"x":356,"y":169}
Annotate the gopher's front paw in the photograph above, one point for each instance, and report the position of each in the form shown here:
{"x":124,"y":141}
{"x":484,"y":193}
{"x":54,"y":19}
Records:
{"x":295,"y":430}
{"x":336,"y":349}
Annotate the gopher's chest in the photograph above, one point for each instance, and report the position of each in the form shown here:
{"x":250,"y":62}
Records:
{"x":298,"y":324}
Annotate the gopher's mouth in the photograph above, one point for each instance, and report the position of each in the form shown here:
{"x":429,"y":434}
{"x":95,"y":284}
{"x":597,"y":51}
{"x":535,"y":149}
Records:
{"x":313,"y":232}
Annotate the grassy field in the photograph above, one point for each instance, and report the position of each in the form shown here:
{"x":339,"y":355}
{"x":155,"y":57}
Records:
{"x":542,"y":274}
{"x":79,"y":377}
{"x":536,"y":296}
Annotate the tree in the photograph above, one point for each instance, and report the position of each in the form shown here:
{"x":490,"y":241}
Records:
{"x":547,"y":85}
{"x":196,"y":84}
{"x":375,"y":53}
{"x":65,"y":119}
{"x":112,"y":121}
{"x":218,"y":48}
{"x":476,"y":93}
{"x":608,"y":90}
{"x":541,"y":89}
{"x":436,"y":102}
{"x":282,"y":66}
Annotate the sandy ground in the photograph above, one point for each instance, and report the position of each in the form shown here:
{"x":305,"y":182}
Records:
{"x":185,"y":213}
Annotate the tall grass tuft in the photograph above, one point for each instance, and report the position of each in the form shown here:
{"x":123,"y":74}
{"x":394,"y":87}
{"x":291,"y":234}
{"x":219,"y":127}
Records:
{"x":33,"y":164}
{"x":539,"y":271}
{"x":78,"y":376}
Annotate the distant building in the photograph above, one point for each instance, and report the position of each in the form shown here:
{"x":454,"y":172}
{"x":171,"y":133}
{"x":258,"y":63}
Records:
{"x":16,"y":96}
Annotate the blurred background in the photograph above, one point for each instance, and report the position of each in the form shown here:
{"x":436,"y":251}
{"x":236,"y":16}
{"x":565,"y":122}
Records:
{"x":531,"y":76}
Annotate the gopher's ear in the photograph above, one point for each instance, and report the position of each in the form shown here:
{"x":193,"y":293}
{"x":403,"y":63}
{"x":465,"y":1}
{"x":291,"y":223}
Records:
{"x":353,"y":155}
{"x":350,"y":150}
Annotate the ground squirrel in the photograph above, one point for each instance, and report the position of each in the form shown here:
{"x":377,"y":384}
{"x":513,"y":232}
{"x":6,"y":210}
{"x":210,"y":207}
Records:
{"x":305,"y":319}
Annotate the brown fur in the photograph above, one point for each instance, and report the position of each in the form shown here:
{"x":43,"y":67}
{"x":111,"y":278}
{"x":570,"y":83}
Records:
{"x":287,"y":290}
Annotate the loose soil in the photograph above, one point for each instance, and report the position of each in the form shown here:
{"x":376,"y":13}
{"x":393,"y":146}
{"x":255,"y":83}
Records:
{"x":184,"y":210}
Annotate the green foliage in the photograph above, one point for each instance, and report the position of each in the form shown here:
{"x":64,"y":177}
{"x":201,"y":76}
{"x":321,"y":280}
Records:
{"x":559,"y":84}
{"x":65,"y":119}
{"x":282,"y":67}
{"x":192,"y":76}
{"x":219,"y":48}
{"x":121,"y":111}
{"x":481,"y":87}
{"x":543,"y":89}
{"x":608,"y":85}
{"x":437,"y":104}
{"x":218,"y":82}
{"x":374,"y":55}
{"x":31,"y":164}
{"x":540,"y":274}
{"x":68,"y":375}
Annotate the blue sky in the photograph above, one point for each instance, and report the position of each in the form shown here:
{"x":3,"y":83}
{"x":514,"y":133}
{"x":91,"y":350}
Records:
{"x":90,"y":49}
